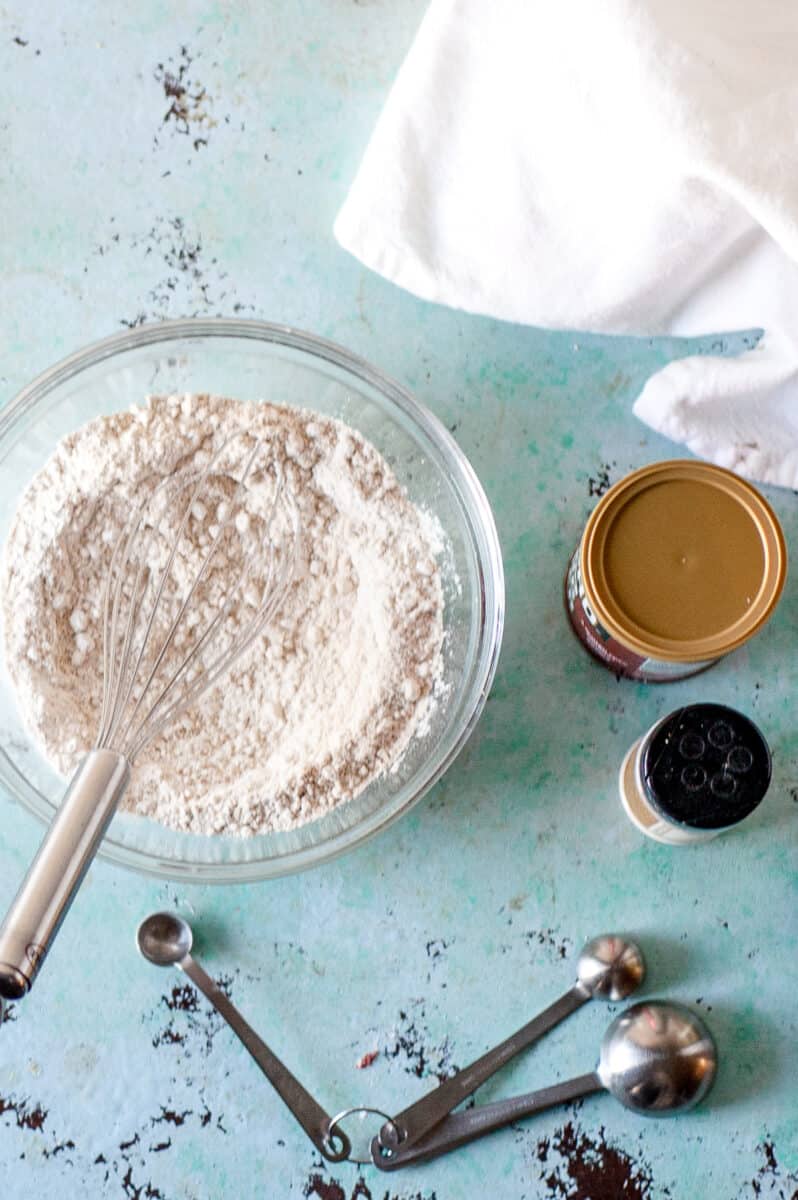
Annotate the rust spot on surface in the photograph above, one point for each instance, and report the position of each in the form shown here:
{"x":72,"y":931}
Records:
{"x":26,"y":1117}
{"x":590,"y":1168}
{"x":169,"y":1037}
{"x":331,"y":1189}
{"x":770,"y":1180}
{"x":436,"y":948}
{"x":144,"y":1191}
{"x":187,"y":280}
{"x":412,"y":1041}
{"x":547,"y":938}
{"x":171,"y":1117}
{"x":188,"y":100}
{"x":58,"y":1148}
{"x":600,"y":483}
{"x":183,"y":998}
{"x":325,"y":1189}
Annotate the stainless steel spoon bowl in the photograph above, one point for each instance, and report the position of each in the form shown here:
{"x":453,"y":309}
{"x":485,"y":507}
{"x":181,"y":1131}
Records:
{"x":165,"y":939}
{"x":610,"y":967}
{"x":657,"y":1059}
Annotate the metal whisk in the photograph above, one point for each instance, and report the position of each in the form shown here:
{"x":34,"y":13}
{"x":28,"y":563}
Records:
{"x":171,"y":630}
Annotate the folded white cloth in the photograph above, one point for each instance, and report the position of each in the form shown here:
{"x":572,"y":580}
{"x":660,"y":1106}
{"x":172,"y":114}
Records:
{"x":624,"y":166}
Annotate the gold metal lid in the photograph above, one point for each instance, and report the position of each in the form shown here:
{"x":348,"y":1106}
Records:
{"x":683,"y":561}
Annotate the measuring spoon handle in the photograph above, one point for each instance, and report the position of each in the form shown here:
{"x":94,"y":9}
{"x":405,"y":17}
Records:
{"x":466,"y":1126}
{"x":310,"y":1115}
{"x":416,"y":1120}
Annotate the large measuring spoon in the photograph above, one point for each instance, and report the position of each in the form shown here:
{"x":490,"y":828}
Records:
{"x":166,"y":940}
{"x":609,"y":966}
{"x":656,"y":1058}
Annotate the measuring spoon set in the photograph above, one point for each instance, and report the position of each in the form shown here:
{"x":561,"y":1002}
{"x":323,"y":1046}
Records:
{"x":657,"y":1058}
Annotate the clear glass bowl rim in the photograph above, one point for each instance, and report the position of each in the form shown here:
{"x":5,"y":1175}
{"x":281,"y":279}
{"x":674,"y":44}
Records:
{"x":475,"y":504}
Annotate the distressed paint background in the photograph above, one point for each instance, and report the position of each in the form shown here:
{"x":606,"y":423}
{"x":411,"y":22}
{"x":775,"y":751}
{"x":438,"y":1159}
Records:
{"x":164,"y":160}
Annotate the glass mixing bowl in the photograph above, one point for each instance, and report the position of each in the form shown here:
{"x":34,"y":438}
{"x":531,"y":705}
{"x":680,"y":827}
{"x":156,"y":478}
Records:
{"x":251,"y":360}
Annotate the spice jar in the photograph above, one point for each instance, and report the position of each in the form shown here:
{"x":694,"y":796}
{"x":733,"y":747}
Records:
{"x":679,"y":563}
{"x":695,"y":774}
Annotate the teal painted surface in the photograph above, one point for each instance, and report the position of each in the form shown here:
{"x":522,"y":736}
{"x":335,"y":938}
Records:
{"x":452,"y":928}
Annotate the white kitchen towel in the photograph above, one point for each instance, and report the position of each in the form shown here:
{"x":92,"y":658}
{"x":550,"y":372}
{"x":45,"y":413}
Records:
{"x":623,"y":166}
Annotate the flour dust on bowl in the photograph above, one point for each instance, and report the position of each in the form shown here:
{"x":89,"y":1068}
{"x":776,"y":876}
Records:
{"x":256,"y":363}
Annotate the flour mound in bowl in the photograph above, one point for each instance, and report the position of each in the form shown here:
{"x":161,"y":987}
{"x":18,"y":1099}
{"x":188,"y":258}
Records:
{"x":331,"y":692}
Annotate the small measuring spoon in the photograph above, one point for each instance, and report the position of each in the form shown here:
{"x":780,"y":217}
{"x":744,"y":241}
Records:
{"x":166,"y":940}
{"x":656,"y":1058}
{"x":609,"y":966}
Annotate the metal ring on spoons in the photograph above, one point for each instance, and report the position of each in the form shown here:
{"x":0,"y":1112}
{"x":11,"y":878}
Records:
{"x":657,"y":1059}
{"x":361,"y":1110}
{"x":609,"y":967}
{"x":165,"y":939}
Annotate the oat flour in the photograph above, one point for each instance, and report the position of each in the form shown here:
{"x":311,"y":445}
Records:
{"x":332,"y":691}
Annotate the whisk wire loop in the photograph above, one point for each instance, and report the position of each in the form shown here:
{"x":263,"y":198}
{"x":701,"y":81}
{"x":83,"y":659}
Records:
{"x":113,"y":665}
{"x":131,"y":717}
{"x":200,"y":575}
{"x":274,"y":590}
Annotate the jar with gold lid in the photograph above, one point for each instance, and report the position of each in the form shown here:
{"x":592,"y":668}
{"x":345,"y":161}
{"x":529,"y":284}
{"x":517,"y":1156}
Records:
{"x":679,"y":563}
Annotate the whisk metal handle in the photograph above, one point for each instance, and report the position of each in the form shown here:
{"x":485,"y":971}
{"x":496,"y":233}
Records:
{"x":58,"y":869}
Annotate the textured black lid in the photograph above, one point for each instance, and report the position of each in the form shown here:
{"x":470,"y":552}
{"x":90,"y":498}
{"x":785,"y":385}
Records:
{"x":706,"y":766}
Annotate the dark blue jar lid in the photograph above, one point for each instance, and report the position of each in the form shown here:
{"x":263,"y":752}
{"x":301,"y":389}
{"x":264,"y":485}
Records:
{"x":705,"y":766}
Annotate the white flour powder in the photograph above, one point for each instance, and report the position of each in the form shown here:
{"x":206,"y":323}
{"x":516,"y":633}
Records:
{"x":331,"y":692}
